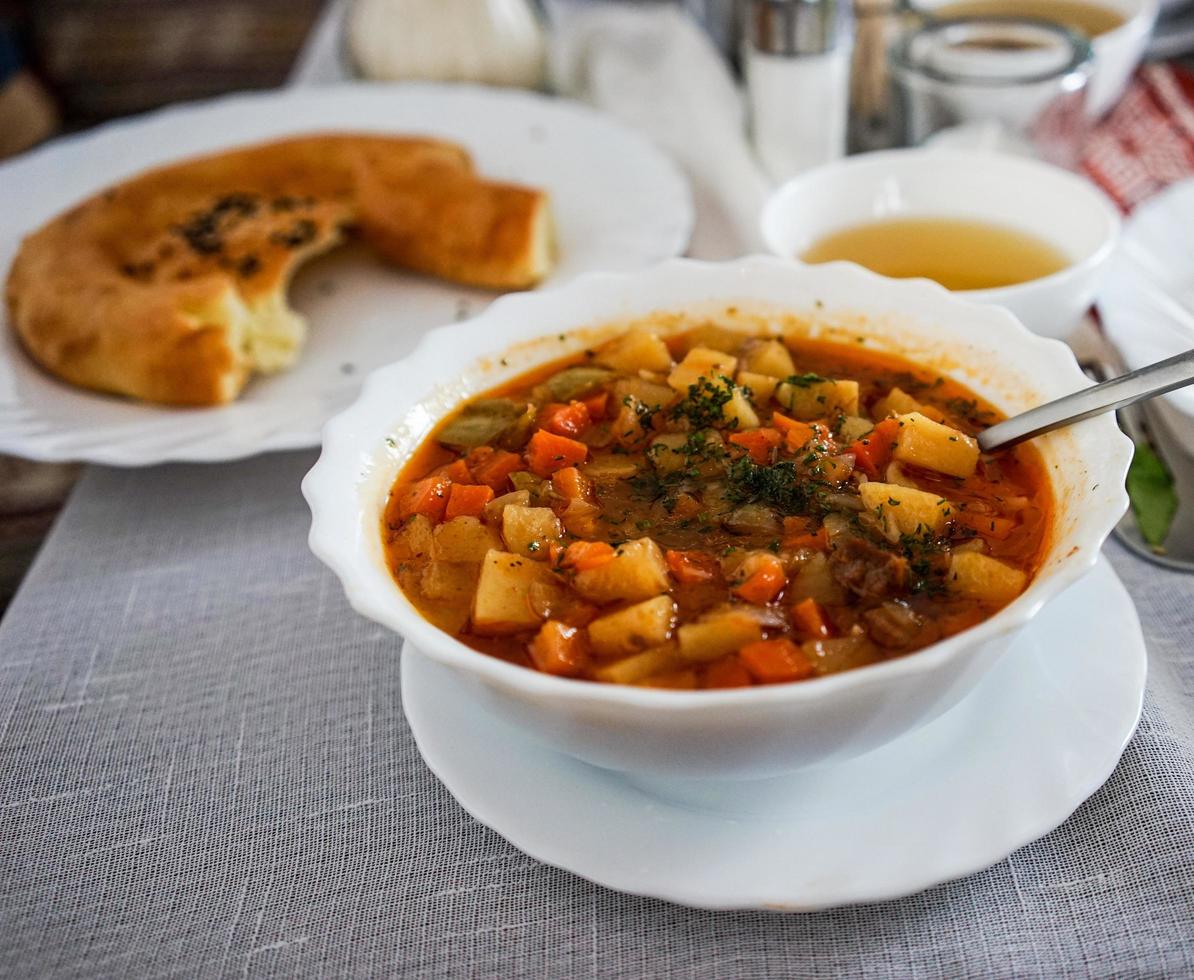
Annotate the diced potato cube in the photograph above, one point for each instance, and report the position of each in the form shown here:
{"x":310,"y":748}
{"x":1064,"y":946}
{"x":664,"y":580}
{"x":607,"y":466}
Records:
{"x":631,"y":670}
{"x":905,"y":510}
{"x":896,"y":402}
{"x":637,"y":571}
{"x":605,"y":467}
{"x":450,"y":580}
{"x":982,"y":577}
{"x":809,"y":400}
{"x":814,"y":580}
{"x":414,"y":540}
{"x":761,"y":386}
{"x":638,"y":627}
{"x":638,"y":350}
{"x":502,"y":603}
{"x":701,"y":362}
{"x":853,"y":428}
{"x":666,"y":452}
{"x":648,"y":393}
{"x":771,"y":358}
{"x":528,"y":530}
{"x":828,"y":656}
{"x":715,"y":337}
{"x":672,"y":680}
{"x":463,"y":539}
{"x":719,"y":634}
{"x":495,"y":507}
{"x":923,"y":442}
{"x":739,"y":412}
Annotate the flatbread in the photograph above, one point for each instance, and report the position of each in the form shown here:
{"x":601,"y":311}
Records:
{"x":171,"y":286}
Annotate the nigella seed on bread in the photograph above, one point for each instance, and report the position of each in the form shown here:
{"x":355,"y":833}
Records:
{"x":171,"y":286}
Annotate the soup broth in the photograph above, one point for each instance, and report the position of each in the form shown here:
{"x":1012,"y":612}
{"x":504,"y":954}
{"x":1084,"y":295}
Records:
{"x":713,"y":510}
{"x":1089,"y":19}
{"x":957,"y":253}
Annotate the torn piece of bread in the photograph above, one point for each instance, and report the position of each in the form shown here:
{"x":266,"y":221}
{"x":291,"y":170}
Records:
{"x":447,"y":224}
{"x":171,"y":287}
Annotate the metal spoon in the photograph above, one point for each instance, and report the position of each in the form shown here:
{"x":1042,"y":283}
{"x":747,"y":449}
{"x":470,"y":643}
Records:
{"x":1148,"y":382}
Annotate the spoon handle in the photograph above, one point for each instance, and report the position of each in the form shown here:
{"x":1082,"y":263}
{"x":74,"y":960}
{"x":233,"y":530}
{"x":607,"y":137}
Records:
{"x":1148,"y":382}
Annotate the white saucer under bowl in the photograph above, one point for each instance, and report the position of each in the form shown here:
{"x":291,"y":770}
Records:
{"x":1040,"y":734}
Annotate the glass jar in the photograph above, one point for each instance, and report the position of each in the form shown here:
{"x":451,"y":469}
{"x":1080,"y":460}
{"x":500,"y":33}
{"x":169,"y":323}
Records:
{"x":1007,"y":83}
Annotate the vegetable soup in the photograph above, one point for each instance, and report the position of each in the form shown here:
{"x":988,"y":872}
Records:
{"x":715,"y":510}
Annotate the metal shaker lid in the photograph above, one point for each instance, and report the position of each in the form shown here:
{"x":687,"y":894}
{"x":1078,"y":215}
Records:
{"x":796,"y":27}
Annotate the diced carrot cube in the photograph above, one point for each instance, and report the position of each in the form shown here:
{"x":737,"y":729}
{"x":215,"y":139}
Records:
{"x":776,"y":661}
{"x":597,"y":403}
{"x":799,"y":532}
{"x":758,"y":442}
{"x":764,"y":584}
{"x":493,"y":468}
{"x":548,"y":452}
{"x":457,"y":471}
{"x":559,"y":649}
{"x":784,"y":423}
{"x":872,"y":452}
{"x":809,"y":618}
{"x":565,"y":420}
{"x":688,"y":567}
{"x":571,"y":484}
{"x":428,"y":496}
{"x":797,"y":435}
{"x":727,"y":672}
{"x":583,"y":555}
{"x":467,"y":500}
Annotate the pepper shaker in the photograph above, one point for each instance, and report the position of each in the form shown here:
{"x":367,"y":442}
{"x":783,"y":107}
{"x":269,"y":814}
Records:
{"x":796,"y":56}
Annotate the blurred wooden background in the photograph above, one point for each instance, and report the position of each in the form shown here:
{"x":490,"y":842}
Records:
{"x":68,"y":64}
{"x":106,"y":58}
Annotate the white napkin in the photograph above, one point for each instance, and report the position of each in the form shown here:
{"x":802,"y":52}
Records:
{"x":654,"y":69}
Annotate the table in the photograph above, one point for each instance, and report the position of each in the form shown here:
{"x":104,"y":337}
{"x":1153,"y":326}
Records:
{"x":205,"y":771}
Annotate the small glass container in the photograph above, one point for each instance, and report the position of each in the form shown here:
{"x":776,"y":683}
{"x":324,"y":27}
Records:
{"x":1006,"y":83}
{"x":796,"y":59}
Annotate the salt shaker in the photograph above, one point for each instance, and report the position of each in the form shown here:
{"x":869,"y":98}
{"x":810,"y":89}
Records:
{"x":796,"y":56}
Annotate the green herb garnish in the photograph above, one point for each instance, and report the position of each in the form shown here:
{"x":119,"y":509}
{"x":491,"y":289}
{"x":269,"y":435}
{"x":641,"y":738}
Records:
{"x":806,"y":380}
{"x":703,"y":404}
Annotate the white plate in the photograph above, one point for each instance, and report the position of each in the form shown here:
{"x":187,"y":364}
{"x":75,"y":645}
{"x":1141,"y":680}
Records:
{"x":1007,"y":765}
{"x":619,"y":204}
{"x":1147,"y":299}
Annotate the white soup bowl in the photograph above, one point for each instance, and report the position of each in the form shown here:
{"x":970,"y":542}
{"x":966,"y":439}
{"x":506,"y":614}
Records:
{"x":756,"y":732}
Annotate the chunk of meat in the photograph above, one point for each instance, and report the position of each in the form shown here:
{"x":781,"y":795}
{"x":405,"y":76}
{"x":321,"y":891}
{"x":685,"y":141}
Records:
{"x":867,"y":571}
{"x":897,"y":627}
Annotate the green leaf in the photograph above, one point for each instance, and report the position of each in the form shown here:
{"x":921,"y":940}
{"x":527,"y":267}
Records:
{"x":1150,"y":489}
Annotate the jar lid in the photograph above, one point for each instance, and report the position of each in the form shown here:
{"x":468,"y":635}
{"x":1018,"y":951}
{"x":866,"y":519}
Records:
{"x":796,"y":27}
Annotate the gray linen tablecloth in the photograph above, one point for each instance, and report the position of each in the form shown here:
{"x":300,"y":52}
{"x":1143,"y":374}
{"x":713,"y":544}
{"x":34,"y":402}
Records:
{"x":205,"y":771}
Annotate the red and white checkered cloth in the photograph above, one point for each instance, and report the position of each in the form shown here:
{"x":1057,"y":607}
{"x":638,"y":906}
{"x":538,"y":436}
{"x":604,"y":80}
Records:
{"x":1147,"y":141}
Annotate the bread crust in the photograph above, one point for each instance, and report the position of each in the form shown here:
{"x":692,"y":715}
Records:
{"x":170,"y":287}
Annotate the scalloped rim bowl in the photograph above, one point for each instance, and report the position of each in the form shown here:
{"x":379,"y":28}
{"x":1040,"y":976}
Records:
{"x":750,"y":733}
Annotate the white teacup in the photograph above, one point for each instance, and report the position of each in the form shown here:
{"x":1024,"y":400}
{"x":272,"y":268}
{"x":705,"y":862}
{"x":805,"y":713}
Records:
{"x":1046,"y":202}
